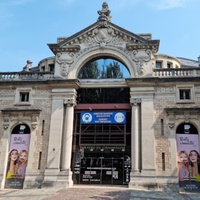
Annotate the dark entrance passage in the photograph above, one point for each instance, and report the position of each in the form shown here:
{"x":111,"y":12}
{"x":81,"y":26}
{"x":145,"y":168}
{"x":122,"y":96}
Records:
{"x":108,"y":165}
{"x":102,"y":144}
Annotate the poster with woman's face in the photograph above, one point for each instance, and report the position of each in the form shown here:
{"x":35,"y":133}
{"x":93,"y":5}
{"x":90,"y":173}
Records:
{"x":188,"y":161}
{"x":17,"y":157}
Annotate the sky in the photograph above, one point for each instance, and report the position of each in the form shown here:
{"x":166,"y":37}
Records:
{"x":27,"y":26}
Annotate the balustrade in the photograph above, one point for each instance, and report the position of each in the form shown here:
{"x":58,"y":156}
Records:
{"x":178,"y":72}
{"x":16,"y":76}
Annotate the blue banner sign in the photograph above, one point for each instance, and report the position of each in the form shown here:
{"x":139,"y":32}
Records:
{"x":103,"y":118}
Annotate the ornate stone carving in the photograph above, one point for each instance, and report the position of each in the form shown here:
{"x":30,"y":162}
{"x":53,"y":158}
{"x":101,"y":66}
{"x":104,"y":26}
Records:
{"x":65,"y":61}
{"x":104,"y":13}
{"x":141,"y":57}
{"x":22,"y":116}
{"x":135,"y":102}
{"x":6,"y":121}
{"x":69,"y":102}
{"x":171,"y":119}
{"x":34,"y":121}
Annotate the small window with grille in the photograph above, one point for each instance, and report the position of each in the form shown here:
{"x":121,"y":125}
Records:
{"x":185,"y":94}
{"x":23,"y":96}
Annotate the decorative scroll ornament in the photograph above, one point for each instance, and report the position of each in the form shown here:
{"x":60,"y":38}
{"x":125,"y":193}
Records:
{"x":65,"y":61}
{"x":70,"y":102}
{"x":135,"y":102}
{"x":141,"y":57}
{"x":6,"y":121}
{"x":171,"y":119}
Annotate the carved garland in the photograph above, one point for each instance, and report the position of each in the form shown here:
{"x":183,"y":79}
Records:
{"x":20,"y":117}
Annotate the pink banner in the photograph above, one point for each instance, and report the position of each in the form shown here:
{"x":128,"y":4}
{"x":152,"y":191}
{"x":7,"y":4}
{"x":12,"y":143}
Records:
{"x":17,"y":158}
{"x":188,"y":158}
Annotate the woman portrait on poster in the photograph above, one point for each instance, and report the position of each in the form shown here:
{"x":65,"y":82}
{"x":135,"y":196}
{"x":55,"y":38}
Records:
{"x":23,"y":158}
{"x":183,"y":165}
{"x":194,"y":164}
{"x":12,"y":163}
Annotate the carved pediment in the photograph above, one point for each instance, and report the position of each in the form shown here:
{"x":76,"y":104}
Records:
{"x":104,"y":33}
{"x":110,"y":35}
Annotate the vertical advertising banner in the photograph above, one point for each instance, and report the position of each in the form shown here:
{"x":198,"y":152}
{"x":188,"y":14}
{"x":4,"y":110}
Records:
{"x":188,"y":161}
{"x":17,"y":157}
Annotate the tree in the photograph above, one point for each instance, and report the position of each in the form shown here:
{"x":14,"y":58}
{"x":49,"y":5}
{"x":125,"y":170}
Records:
{"x":90,"y":70}
{"x":113,"y":70}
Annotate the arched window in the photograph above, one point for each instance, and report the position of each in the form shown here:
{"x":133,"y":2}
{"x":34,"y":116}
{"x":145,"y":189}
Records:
{"x":186,"y":128}
{"x":104,"y":67}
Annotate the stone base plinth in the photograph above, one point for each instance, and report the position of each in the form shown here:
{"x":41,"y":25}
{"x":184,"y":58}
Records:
{"x":54,"y":178}
{"x":147,"y":179}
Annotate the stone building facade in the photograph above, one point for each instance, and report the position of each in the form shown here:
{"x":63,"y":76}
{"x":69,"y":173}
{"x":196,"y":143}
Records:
{"x":153,"y":98}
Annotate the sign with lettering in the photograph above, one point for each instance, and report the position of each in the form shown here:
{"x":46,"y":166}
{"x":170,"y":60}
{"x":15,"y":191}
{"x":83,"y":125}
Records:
{"x":103,"y":118}
{"x":18,"y":157}
{"x":188,"y":161}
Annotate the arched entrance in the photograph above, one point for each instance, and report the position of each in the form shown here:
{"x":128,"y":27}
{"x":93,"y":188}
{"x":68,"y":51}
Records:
{"x":188,"y":157}
{"x":102,"y":129}
{"x":18,"y":156}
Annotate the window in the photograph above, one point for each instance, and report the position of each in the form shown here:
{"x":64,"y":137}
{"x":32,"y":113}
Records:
{"x":51,"y":67}
{"x":43,"y":68}
{"x":169,"y":65}
{"x":185,"y":94}
{"x":103,"y":95}
{"x":186,"y":128}
{"x":104,"y":67}
{"x":158,"y":64}
{"x":23,"y":96}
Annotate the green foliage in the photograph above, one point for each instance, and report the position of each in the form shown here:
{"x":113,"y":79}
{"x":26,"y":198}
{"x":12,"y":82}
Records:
{"x":98,"y":69}
{"x":90,"y":70}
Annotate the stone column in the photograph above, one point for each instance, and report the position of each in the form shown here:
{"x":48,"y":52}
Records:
{"x":58,"y":171}
{"x":67,"y":134}
{"x":135,"y":135}
{"x":4,"y":148}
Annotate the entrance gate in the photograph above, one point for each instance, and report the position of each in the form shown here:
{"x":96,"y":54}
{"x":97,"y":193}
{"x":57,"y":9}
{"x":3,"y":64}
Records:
{"x":102,"y":170}
{"x":101,"y":147}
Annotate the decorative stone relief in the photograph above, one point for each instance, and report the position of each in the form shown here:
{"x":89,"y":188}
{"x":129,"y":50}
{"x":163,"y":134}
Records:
{"x":135,"y":102}
{"x":171,"y":119}
{"x":103,"y":36}
{"x":104,"y":14}
{"x":34,"y":121}
{"x":20,"y":117}
{"x":187,"y":116}
{"x":141,"y":57}
{"x":65,"y":60}
{"x":69,"y":102}
{"x":6,"y":121}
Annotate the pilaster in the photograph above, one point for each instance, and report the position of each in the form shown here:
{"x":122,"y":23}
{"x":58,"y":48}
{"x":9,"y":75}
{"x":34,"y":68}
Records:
{"x":58,"y":172}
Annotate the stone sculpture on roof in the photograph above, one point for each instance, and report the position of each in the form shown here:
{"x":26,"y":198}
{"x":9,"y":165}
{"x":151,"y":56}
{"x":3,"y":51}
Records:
{"x":104,"y":12}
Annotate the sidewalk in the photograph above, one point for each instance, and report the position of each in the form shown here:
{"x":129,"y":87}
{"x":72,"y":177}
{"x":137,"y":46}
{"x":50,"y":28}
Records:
{"x":93,"y":193}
